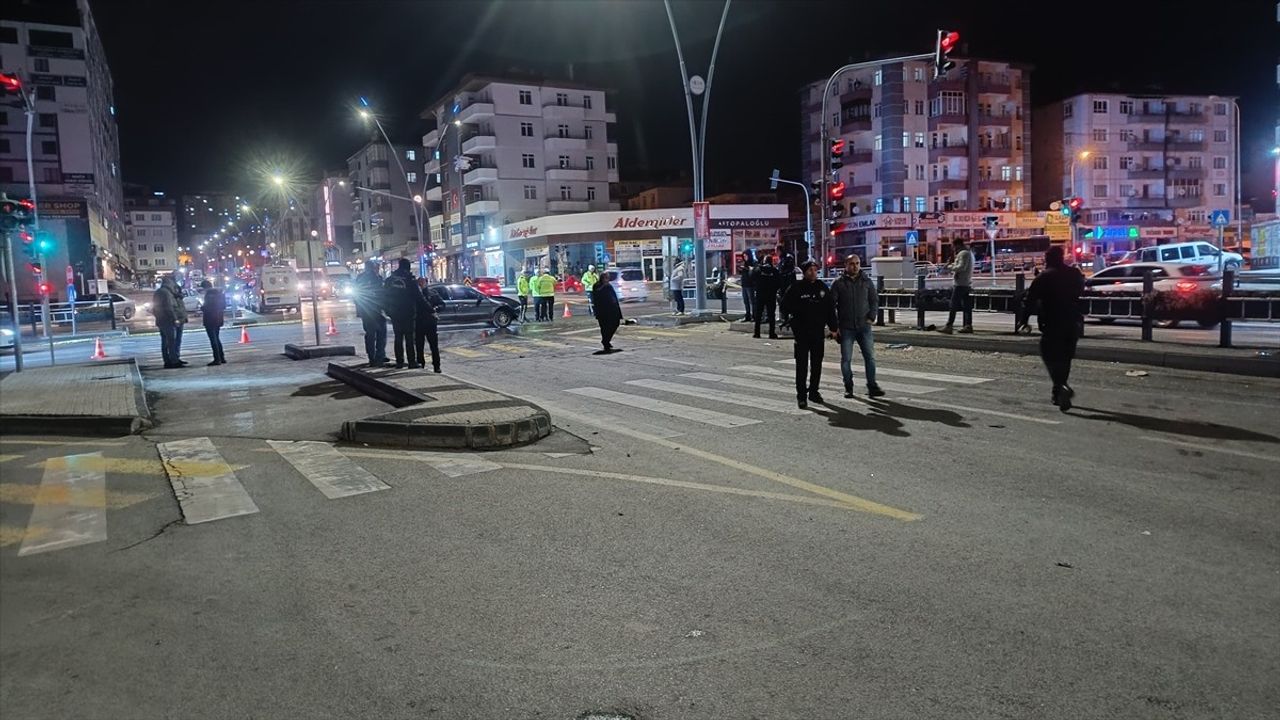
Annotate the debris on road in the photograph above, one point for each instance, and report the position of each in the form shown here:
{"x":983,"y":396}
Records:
{"x":1069,"y":566}
{"x":899,"y":346}
{"x":695,"y":633}
{"x":1146,"y":532}
{"x":1136,"y":373}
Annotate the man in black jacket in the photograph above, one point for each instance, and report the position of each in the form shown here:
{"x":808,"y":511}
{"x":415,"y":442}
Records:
{"x":368,"y":297}
{"x":766,"y":296}
{"x":608,"y":311}
{"x":786,"y":278}
{"x":213,"y":308}
{"x":427,"y":325}
{"x":401,"y":299}
{"x":1055,"y":295}
{"x":809,"y":304}
{"x":748,"y":283}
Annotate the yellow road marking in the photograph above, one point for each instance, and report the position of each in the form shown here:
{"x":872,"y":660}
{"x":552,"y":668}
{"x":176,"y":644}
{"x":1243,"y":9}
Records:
{"x":16,"y":494}
{"x":6,"y":458}
{"x":545,"y":343}
{"x":13,"y":535}
{"x":506,"y":348}
{"x":11,"y":440}
{"x":655,"y":331}
{"x":142,"y":466}
{"x":465,"y":352}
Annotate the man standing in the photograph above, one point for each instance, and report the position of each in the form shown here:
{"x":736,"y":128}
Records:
{"x":522,"y":294}
{"x":535,"y":293}
{"x":676,"y":283}
{"x":163,"y":308}
{"x":766,"y":296}
{"x":608,"y":312}
{"x":401,"y":301}
{"x":1056,"y":294}
{"x":180,"y":317}
{"x":547,"y":288}
{"x":961,"y":268}
{"x":748,"y":284}
{"x":856,"y":301}
{"x":426,"y":329}
{"x":211,"y":315}
{"x":369,"y":309}
{"x":589,"y":280}
{"x":809,"y":305}
{"x":786,"y":277}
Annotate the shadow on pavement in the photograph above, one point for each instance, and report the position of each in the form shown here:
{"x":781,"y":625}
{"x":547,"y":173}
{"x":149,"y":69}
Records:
{"x":910,"y":412}
{"x":1190,"y":428}
{"x":875,"y":420}
{"x":334,"y":389}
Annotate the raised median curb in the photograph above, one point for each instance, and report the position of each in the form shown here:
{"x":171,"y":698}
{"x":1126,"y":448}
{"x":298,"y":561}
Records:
{"x":436,"y":411}
{"x":1231,"y":361}
{"x":307,"y":352}
{"x":86,"y":399}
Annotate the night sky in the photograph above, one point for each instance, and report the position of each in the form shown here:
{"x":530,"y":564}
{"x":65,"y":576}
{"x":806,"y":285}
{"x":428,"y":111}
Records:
{"x":207,"y":91}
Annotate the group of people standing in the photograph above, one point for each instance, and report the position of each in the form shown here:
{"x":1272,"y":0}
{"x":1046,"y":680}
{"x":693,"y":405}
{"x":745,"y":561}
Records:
{"x":413,"y":308}
{"x":171,"y":318}
{"x":542,"y":289}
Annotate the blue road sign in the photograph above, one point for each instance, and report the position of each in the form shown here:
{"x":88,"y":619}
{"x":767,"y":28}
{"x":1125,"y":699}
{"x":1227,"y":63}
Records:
{"x":913,"y":237}
{"x":1220,"y":217}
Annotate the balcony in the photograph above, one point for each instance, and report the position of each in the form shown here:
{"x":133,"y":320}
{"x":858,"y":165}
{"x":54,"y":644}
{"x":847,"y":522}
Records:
{"x":1187,"y":173}
{"x":949,"y":184}
{"x":858,"y":157}
{"x":1145,"y":116}
{"x":1147,"y":201}
{"x":1007,"y":186}
{"x":613,"y":176}
{"x":568,"y":173}
{"x":995,"y":86}
{"x":948,"y":151}
{"x":572,"y":142}
{"x":431,"y":167}
{"x":1185,"y":146}
{"x":477,"y":207}
{"x":948,"y":118}
{"x":858,"y":190}
{"x":1186,"y":201}
{"x":855,"y":124}
{"x":995,"y":151}
{"x":431,"y":139}
{"x":475,"y":111}
{"x":610,"y":117}
{"x":480,"y":176}
{"x":476,"y":143}
{"x":994,"y":120}
{"x":1147,"y":145}
{"x":567,"y":206}
{"x":434,"y":194}
{"x":1146,"y":173}
{"x":1189,"y":118}
{"x":564,"y":112}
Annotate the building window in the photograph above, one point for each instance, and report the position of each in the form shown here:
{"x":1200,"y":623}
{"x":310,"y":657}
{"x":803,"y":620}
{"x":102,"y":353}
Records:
{"x":878,"y":79}
{"x":45,"y":92}
{"x":160,"y":262}
{"x":1067,"y":109}
{"x":586,"y":101}
{"x":526,"y":129}
{"x":919,"y":139}
{"x":565,"y":193}
{"x":587,"y":132}
{"x":1219,"y":135}
{"x":562,"y":99}
{"x":591,"y":162}
{"x":49,"y":147}
{"x":1126,"y":191}
{"x":411,"y":177}
{"x":48,"y":120}
{"x":4,"y":119}
{"x":562,"y":130}
{"x":1101,"y":107}
{"x":591,"y":192}
{"x":1126,"y":107}
{"x":141,"y":232}
{"x":1219,"y":189}
{"x":920,"y":204}
{"x":919,"y":172}
{"x":917,"y":74}
{"x":1017,"y":173}
{"x":530,"y":192}
{"x":1219,"y":163}
{"x":42,"y":65}
{"x":144,"y":262}
{"x":875,"y":110}
{"x":526,"y":97}
{"x":919,"y":107}
{"x":878,"y":143}
{"x":51,"y":175}
{"x":1195,"y":108}
{"x":155,"y":217}
{"x":906,"y":139}
{"x":142,"y":246}
{"x":526,"y":160}
{"x":612,"y":162}
{"x":1100,"y":162}
{"x":1220,"y":108}
{"x":1126,"y":162}
{"x":1195,"y":136}
{"x":157,"y":248}
{"x":1006,"y":173}
{"x":1100,"y":135}
{"x":411,"y":155}
{"x":879,"y":201}
{"x":1127,"y":135}
{"x":564,"y":162}
{"x":1195,"y":162}
{"x":1100,"y":191}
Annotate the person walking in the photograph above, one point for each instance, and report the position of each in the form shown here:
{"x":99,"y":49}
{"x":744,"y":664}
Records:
{"x":1054,"y":295}
{"x":676,"y":283}
{"x":547,"y":288}
{"x":368,"y":297}
{"x":961,"y":268}
{"x":522,"y":294}
{"x":162,"y":308}
{"x":608,"y":312}
{"x":426,"y":330}
{"x":589,"y":280}
{"x":748,"y":283}
{"x":856,"y":302}
{"x":401,"y":301}
{"x":214,"y":308}
{"x":766,"y":296}
{"x":808,"y":303}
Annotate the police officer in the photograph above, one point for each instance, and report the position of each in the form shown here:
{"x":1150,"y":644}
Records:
{"x":426,"y":328}
{"x":766,"y":296}
{"x":809,"y":304}
{"x":589,"y":280}
{"x":369,"y":309}
{"x":547,"y":289}
{"x":401,"y":299}
{"x":786,"y":278}
{"x":748,"y":283}
{"x":522,"y":293}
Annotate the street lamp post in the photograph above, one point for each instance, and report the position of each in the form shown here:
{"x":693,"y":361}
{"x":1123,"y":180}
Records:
{"x":417,"y":210}
{"x":808,"y":212}
{"x":456,"y":123}
{"x":315,"y":311}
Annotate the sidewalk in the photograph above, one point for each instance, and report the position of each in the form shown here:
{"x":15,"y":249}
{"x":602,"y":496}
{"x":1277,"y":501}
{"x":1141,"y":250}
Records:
{"x":1234,"y":361}
{"x":105,"y":398}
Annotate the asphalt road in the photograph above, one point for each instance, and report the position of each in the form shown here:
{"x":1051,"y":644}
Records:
{"x":687,"y":544}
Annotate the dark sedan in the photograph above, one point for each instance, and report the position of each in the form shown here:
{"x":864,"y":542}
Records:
{"x":463,"y":304}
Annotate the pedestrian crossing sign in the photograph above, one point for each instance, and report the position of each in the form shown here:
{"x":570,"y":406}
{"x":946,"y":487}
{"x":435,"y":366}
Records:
{"x":1218,"y":218}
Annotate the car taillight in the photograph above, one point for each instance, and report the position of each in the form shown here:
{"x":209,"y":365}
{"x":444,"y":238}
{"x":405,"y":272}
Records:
{"x":1197,"y":270}
{"x":1185,"y":286}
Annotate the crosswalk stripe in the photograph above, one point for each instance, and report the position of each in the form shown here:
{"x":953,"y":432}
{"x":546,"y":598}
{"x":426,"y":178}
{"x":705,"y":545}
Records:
{"x":70,"y":508}
{"x":655,"y":332}
{"x":544,"y":343}
{"x":719,"y":396}
{"x":465,"y":352}
{"x":833,"y":379}
{"x":567,"y":404}
{"x":203,"y":483}
{"x":709,"y":417}
{"x":858,"y":367}
{"x":329,"y":470}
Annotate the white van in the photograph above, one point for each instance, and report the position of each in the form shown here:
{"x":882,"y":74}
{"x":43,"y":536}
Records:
{"x":277,"y":290}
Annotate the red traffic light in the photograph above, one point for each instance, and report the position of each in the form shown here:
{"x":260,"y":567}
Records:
{"x":837,"y":190}
{"x":837,"y":147}
{"x":45,"y":288}
{"x":27,"y":204}
{"x":10,"y":83}
{"x":1075,"y":203}
{"x":950,"y":39}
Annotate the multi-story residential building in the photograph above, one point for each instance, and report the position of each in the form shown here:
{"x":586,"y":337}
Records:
{"x":332,"y":204}
{"x":918,"y":145}
{"x":1157,"y":163}
{"x":659,"y":196}
{"x":384,"y":226}
{"x":152,"y":223}
{"x":507,"y":149}
{"x":205,"y":213}
{"x":54,"y":47}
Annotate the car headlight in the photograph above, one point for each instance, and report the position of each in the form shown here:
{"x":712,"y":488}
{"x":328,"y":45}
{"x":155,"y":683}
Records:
{"x":6,"y":332}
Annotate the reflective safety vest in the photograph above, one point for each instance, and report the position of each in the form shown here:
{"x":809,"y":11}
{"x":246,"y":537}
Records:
{"x":522,"y":286}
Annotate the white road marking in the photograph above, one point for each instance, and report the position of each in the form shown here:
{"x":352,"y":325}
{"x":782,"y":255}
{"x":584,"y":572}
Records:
{"x":579,"y":332}
{"x":677,"y":362}
{"x":1211,"y":448}
{"x":451,"y":464}
{"x":709,"y":417}
{"x":858,"y":367}
{"x":70,"y":507}
{"x":205,"y":486}
{"x":834,"y":380}
{"x":609,"y":419}
{"x":329,"y":470}
{"x":720,"y":396}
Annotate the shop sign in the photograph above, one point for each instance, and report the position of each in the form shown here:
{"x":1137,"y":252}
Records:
{"x":633,"y":222}
{"x":1158,"y":233}
{"x":702,"y":220}
{"x":1057,"y":226}
{"x":521,"y":232}
{"x":720,"y":239}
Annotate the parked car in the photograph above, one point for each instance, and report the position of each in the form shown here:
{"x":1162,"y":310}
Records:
{"x":464,"y":304}
{"x":192,"y":301}
{"x":1191,"y":253}
{"x":125,"y":308}
{"x":488,"y":285}
{"x":6,"y":330}
{"x":570,"y":284}
{"x":1166,"y":277}
{"x":630,"y":284}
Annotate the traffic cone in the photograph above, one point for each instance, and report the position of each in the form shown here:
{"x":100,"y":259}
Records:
{"x":244,"y":334}
{"x":333,"y":328}
{"x":566,"y":311}
{"x":98,"y":352}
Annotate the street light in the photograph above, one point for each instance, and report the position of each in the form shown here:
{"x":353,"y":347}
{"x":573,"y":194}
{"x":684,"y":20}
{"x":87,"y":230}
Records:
{"x":1083,"y":155}
{"x":315,"y":312}
{"x":417,"y":210}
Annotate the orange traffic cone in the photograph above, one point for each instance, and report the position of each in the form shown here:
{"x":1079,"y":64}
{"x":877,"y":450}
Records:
{"x":244,"y":334}
{"x":566,"y":310}
{"x":333,"y":328}
{"x":98,"y":352}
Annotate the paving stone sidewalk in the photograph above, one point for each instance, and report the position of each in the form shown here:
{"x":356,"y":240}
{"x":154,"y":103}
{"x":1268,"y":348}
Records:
{"x":88,"y":398}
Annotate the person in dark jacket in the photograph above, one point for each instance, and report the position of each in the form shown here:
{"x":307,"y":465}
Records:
{"x":368,"y":297}
{"x":786,"y":278}
{"x":401,"y":298}
{"x":766,"y":296}
{"x":427,"y":325}
{"x":809,"y":304}
{"x":856,"y":301}
{"x":748,"y":286}
{"x":214,"y":308}
{"x":1055,"y":295}
{"x":180,"y":314}
{"x":608,"y":311}
{"x":165,"y":306}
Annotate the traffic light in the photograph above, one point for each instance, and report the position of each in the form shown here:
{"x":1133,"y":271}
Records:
{"x":816,"y":186}
{"x":43,"y":242}
{"x":45,"y":288}
{"x":837,"y":154}
{"x":686,"y":246}
{"x":10,"y":84}
{"x":836,"y":191}
{"x":947,"y":41}
{"x":1071,"y":207}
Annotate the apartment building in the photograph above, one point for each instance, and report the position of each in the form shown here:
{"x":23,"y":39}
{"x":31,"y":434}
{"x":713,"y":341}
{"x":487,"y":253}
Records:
{"x":383,"y":226}
{"x":917,"y":145}
{"x":507,"y":149}
{"x":1155,"y":163}
{"x":54,"y":47}
{"x":152,"y":225}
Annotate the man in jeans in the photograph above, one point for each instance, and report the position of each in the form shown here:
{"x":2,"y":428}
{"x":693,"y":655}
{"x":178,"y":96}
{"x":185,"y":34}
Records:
{"x":962,"y":270}
{"x":856,"y":303}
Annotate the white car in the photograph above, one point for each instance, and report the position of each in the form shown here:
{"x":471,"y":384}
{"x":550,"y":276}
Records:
{"x":125,"y":308}
{"x":1166,"y":277}
{"x":630,"y":284}
{"x":1190,"y":253}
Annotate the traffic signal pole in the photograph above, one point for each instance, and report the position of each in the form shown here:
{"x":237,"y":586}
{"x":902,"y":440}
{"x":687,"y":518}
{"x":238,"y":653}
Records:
{"x":30,"y":110}
{"x":11,"y":275}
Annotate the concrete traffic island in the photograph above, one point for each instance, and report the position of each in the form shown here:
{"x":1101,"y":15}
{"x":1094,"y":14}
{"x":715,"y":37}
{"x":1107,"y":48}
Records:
{"x":437,"y":411}
{"x":307,"y":352}
{"x":103,"y":398}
